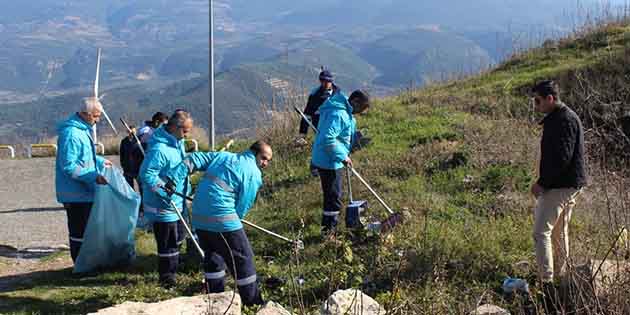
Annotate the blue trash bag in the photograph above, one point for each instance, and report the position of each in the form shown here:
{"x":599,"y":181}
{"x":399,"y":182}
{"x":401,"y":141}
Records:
{"x":109,"y":239}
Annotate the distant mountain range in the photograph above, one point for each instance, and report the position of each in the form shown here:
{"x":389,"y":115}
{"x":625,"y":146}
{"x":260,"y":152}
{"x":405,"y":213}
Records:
{"x":156,"y":52}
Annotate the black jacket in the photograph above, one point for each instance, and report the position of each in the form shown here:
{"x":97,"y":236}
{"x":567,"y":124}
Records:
{"x":315,"y":100}
{"x":562,"y":150}
{"x":130,"y":156}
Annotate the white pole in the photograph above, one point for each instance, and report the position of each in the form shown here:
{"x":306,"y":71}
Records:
{"x":211,"y":76}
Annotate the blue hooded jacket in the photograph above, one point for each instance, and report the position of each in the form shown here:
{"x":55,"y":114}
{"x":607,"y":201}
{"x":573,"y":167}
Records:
{"x":165,"y":152}
{"x":77,"y":164}
{"x":226,"y":192}
{"x":335,"y":130}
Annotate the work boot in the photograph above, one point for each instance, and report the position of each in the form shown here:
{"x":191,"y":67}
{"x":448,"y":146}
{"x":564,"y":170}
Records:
{"x":85,"y":274}
{"x":167,"y":282}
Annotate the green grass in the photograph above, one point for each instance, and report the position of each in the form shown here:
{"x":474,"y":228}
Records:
{"x":468,"y":223}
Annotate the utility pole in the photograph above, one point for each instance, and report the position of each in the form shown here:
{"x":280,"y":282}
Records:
{"x":211,"y":75}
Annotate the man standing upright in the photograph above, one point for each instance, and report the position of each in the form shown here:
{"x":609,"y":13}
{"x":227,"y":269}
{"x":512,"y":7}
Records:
{"x":561,"y":177}
{"x":316,"y":98}
{"x":224,"y":196}
{"x":331,"y":150}
{"x":77,"y":169}
{"x":130,"y":156}
{"x":166,"y":150}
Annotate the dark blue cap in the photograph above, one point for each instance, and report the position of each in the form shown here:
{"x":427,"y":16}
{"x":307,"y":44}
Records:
{"x":325,"y":75}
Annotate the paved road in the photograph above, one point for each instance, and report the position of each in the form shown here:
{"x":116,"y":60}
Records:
{"x":29,"y":213}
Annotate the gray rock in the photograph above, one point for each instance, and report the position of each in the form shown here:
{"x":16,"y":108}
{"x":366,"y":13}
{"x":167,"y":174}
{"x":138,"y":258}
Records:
{"x":195,"y":305}
{"x":489,"y":309}
{"x":596,"y":276}
{"x":273,"y":308}
{"x":351,"y":302}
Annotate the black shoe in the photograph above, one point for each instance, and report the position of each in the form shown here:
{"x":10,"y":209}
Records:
{"x":168,"y":282}
{"x":551,"y":301}
{"x":87,"y":274}
{"x":274,"y":282}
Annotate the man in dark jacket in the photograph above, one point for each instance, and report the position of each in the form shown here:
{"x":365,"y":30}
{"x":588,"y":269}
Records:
{"x":130,"y":157}
{"x":317,"y":97}
{"x":561,"y":177}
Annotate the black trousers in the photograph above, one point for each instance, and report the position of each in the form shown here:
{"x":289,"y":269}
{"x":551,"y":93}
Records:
{"x":78,"y":214}
{"x":332,"y":193}
{"x":169,"y":237}
{"x":219,"y":258}
{"x":130,"y":179}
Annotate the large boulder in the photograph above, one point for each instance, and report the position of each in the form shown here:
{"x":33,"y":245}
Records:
{"x":273,"y":308}
{"x":194,"y":305}
{"x":489,"y":309}
{"x":351,"y":302}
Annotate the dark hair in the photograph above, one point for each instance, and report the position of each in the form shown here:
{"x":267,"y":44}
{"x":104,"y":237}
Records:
{"x":178,"y":118}
{"x":546,"y":88}
{"x":159,"y":117}
{"x":257,"y":146}
{"x":362,"y":97}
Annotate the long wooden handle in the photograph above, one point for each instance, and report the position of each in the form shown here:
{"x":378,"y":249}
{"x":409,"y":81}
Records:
{"x":371,"y":190}
{"x":134,"y":135}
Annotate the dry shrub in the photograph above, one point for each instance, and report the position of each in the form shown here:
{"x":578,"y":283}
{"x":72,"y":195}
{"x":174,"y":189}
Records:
{"x":279,"y":123}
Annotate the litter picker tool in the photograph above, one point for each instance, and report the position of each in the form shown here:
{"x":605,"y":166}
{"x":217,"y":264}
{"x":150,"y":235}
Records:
{"x":394,"y":217}
{"x":308,"y":121}
{"x":190,"y":233}
{"x":298,"y":243}
{"x":134,"y":135}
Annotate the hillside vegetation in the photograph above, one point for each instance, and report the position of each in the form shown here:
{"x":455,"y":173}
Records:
{"x":458,"y":158}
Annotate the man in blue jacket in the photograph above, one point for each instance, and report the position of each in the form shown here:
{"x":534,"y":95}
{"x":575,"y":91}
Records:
{"x":224,"y":196}
{"x":77,"y":169}
{"x":332,"y":146}
{"x":316,"y":98}
{"x":166,"y":150}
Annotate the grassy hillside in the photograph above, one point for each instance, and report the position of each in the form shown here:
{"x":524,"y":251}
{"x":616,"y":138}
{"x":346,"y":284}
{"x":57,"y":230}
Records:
{"x":458,"y":158}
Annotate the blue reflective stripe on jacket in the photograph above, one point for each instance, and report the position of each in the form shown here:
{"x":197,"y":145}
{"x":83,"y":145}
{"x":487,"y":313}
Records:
{"x":165,"y":152}
{"x":77,"y":164}
{"x":226,"y":192}
{"x":335,"y":129}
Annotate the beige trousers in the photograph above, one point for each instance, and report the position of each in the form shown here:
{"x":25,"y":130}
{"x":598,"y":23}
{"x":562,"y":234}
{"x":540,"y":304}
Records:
{"x":551,"y":231}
